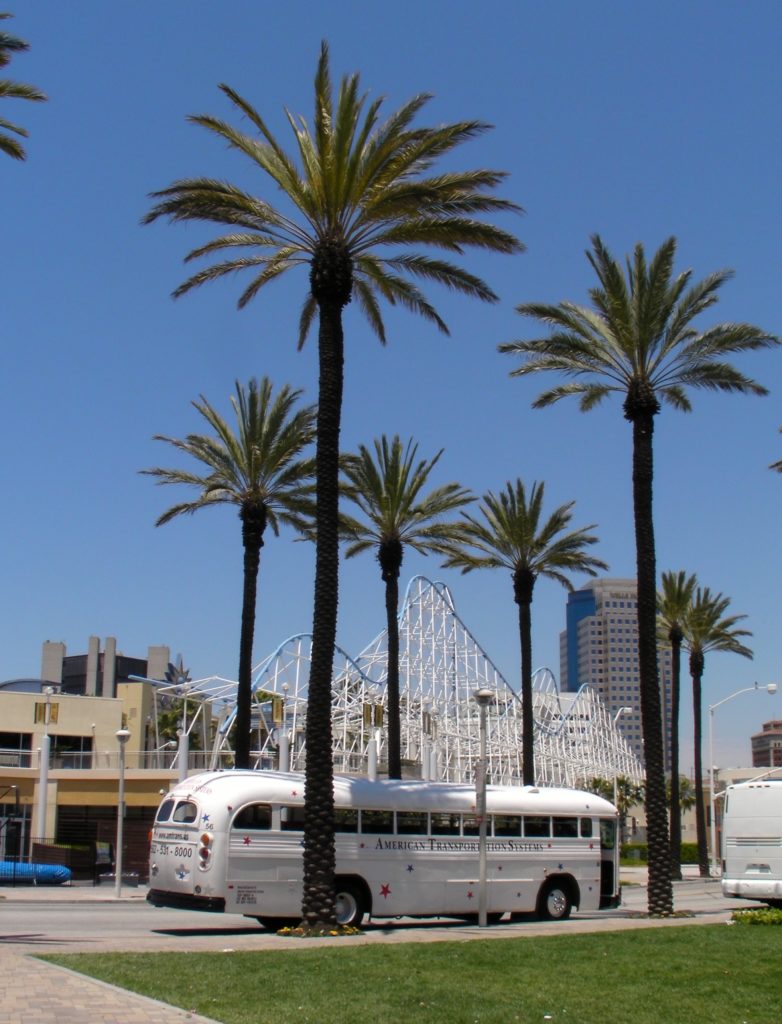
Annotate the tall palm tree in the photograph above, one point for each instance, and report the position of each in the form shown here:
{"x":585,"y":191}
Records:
{"x":360,"y":191}
{"x":673,"y":607}
{"x":259,"y":469}
{"x":512,"y":534}
{"x":9,"y":45}
{"x":387,"y":489}
{"x":638,"y":340}
{"x":707,"y":629}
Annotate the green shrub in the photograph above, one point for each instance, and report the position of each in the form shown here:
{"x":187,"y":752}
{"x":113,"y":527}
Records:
{"x":689,"y":853}
{"x":760,"y":915}
{"x":639,"y":852}
{"x":635,"y":851}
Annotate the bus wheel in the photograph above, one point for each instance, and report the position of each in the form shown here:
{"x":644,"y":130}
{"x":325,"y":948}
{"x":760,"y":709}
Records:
{"x":349,"y":903}
{"x":554,"y":902}
{"x":273,"y":924}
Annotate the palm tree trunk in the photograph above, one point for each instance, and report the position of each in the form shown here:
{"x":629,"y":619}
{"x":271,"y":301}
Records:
{"x":523,"y":583}
{"x":253,"y":525}
{"x":675,"y":807}
{"x":660,"y":890}
{"x":696,"y":671}
{"x":319,"y":851}
{"x":392,"y":675}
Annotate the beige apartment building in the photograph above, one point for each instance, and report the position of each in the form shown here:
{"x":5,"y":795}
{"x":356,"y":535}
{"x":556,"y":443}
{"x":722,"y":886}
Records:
{"x":76,"y":709}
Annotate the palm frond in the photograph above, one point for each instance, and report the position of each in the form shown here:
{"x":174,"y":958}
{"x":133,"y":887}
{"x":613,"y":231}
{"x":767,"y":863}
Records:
{"x":638,"y":337}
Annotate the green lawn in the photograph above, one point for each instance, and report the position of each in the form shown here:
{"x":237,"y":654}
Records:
{"x":693,"y":974}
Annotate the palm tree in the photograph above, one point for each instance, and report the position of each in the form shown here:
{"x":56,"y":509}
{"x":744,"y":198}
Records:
{"x":363,"y":188}
{"x":622,"y":792}
{"x":686,"y":791}
{"x":259,"y":469}
{"x":9,"y":45}
{"x":673,"y":607}
{"x":387,"y":489}
{"x":707,"y":629}
{"x":638,"y":340}
{"x":513,"y":535}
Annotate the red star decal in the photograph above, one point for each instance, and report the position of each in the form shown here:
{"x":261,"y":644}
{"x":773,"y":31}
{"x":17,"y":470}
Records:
{"x":385,"y":891}
{"x":469,"y":894}
{"x":294,"y":792}
{"x":361,"y":846}
{"x":246,"y":840}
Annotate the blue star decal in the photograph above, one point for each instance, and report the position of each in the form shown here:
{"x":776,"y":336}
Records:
{"x":410,"y":867}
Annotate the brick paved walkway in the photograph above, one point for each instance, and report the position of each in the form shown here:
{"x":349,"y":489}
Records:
{"x":34,"y":992}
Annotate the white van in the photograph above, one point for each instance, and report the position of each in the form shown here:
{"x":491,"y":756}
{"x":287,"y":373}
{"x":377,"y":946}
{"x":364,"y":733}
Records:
{"x":752,"y":841}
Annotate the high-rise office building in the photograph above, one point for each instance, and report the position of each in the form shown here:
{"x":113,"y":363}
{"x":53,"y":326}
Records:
{"x":767,"y":746}
{"x":599,"y":647}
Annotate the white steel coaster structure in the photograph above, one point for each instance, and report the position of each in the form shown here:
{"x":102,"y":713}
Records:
{"x":441,"y":667}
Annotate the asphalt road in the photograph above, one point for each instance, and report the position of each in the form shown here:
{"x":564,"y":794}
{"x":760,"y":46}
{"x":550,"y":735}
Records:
{"x":89,"y":921}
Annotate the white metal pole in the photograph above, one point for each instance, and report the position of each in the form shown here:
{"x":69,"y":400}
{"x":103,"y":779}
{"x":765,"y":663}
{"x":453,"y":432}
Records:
{"x":284,"y":750}
{"x":712,"y":804}
{"x":482,"y":824}
{"x":482,"y":697}
{"x":122,"y":738}
{"x":43,"y":784}
{"x":184,"y":753}
{"x":43,"y":766}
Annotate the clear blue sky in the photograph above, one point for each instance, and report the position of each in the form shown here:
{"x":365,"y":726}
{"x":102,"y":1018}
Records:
{"x":633,"y":120}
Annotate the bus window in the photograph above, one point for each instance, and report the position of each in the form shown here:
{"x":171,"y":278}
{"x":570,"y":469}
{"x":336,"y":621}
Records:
{"x":566,"y":828}
{"x":586,"y":828}
{"x":444,"y":824}
{"x":345,"y":819}
{"x":471,"y":825}
{"x":292,"y":819}
{"x":186,"y":812}
{"x":377,"y":822}
{"x":537,"y":826}
{"x":253,"y":818}
{"x":507,"y":825}
{"x":165,"y":810}
{"x":607,"y":834}
{"x":412,"y":823}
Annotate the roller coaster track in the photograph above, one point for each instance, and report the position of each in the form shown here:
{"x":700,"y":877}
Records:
{"x":441,"y":667}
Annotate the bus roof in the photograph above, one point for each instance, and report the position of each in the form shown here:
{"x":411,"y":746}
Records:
{"x":239,"y":787}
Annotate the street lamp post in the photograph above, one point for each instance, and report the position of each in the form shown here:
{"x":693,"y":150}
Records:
{"x":617,"y":716}
{"x":123,"y":735}
{"x":43,"y":762}
{"x":768,"y":688}
{"x":621,"y":822}
{"x":483,"y":698}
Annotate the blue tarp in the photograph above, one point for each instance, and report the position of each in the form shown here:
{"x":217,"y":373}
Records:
{"x":39,"y":874}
